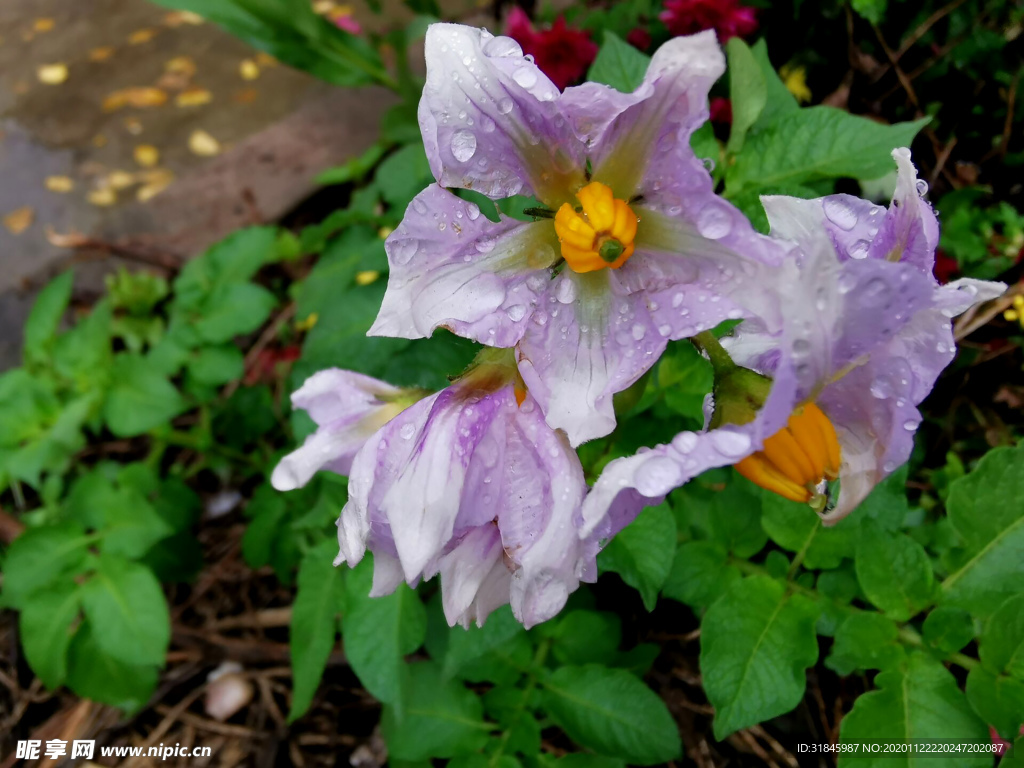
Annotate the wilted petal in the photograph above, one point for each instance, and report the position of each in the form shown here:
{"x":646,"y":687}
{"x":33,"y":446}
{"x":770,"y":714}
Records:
{"x":387,"y":574}
{"x":348,"y":408}
{"x":588,"y":341}
{"x":474,"y":578}
{"x":491,"y":120}
{"x":452,"y":267}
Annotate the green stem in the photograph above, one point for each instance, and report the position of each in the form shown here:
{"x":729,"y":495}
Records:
{"x":909,"y":636}
{"x":713,"y":348}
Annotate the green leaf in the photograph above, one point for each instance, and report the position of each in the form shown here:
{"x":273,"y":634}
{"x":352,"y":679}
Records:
{"x":125,"y":599}
{"x":214,"y":366}
{"x":439,"y":719}
{"x":872,"y":10}
{"x":734,"y":516}
{"x":233,"y":310}
{"x":756,"y":643}
{"x":379,"y":632}
{"x":314,"y":624}
{"x":618,"y":64}
{"x":494,"y":652}
{"x":918,"y":700}
{"x":96,"y":675}
{"x":586,"y":637}
{"x":780,"y":100}
{"x":894,"y":572}
{"x":267,"y":512}
{"x":41,"y":557}
{"x":748,"y":91}
{"x":796,"y":528}
{"x":511,"y":707}
{"x":83,"y":354}
{"x":45,"y":626}
{"x":613,"y":713}
{"x":1002,"y":643}
{"x":642,"y":553}
{"x":355,"y":169}
{"x":998,"y":700}
{"x":699,"y":574}
{"x":864,"y":641}
{"x":140,"y":397}
{"x":47,"y":311}
{"x":987,"y":509}
{"x":126,"y":521}
{"x":817,"y":143}
{"x":403,"y":175}
{"x":948,"y":629}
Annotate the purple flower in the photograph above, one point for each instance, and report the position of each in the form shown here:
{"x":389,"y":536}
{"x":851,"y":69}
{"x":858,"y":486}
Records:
{"x":473,"y":484}
{"x":630,"y":247}
{"x":866,"y":332}
{"x":347,"y":408}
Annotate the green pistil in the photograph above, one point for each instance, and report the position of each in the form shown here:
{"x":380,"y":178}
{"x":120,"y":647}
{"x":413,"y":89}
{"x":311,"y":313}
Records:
{"x":610,"y":250}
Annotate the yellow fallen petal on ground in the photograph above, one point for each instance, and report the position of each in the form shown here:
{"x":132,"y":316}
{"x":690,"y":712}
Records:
{"x":141,"y":97}
{"x":140,"y":36}
{"x":20,"y":220}
{"x":102,"y":53}
{"x":102,"y":197}
{"x":266,"y":60}
{"x":248,"y":69}
{"x":43,"y":25}
{"x":120,"y":179}
{"x":52,"y":74}
{"x":177,"y":18}
{"x":181,"y":65}
{"x":147,"y":155}
{"x":193,"y":97}
{"x":156,"y":181}
{"x":60,"y":183}
{"x":203,"y":144}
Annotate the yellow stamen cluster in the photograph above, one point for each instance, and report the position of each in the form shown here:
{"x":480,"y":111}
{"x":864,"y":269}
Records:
{"x":601,"y":234}
{"x":796,"y":459}
{"x":1016,"y":313}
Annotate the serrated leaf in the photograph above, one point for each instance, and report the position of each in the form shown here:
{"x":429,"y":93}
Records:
{"x":756,"y":644}
{"x":814,"y":144}
{"x":618,"y":64}
{"x":918,"y":700}
{"x":987,"y":509}
{"x":748,"y":91}
{"x":586,"y":637}
{"x":47,"y":311}
{"x":864,"y":641}
{"x":894,"y":572}
{"x":140,"y":397}
{"x":495,"y":652}
{"x":1002,"y":643}
{"x":948,"y":629}
{"x":997,"y":699}
{"x":439,"y":718}
{"x":699,"y":574}
{"x":41,"y":557}
{"x":613,"y":713}
{"x":45,"y":627}
{"x":94,"y":674}
{"x":643,"y":551}
{"x":314,"y":624}
{"x":125,"y":600}
{"x":379,"y":632}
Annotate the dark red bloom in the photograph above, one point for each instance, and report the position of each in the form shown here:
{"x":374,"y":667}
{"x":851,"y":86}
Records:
{"x":945,"y":268}
{"x":727,"y":17}
{"x":563,"y":54}
{"x":639,"y":38}
{"x":721,"y":110}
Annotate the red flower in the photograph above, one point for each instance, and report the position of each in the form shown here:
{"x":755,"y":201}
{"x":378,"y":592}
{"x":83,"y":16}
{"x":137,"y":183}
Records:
{"x":727,"y":17}
{"x":639,"y":38}
{"x":721,"y":110}
{"x":562,"y":54}
{"x":945,"y":268}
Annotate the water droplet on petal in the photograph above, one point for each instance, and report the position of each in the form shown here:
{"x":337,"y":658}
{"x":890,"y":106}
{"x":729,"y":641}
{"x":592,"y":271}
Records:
{"x":657,"y":476}
{"x":910,"y":425}
{"x":505,"y":106}
{"x":840,"y":213}
{"x":407,"y":431}
{"x":859,"y":249}
{"x":516,"y":312}
{"x":525,"y":76}
{"x":402,"y":251}
{"x":639,"y":331}
{"x":730,"y":443}
{"x":463,"y":145}
{"x":565,"y":292}
{"x":714,"y":221}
